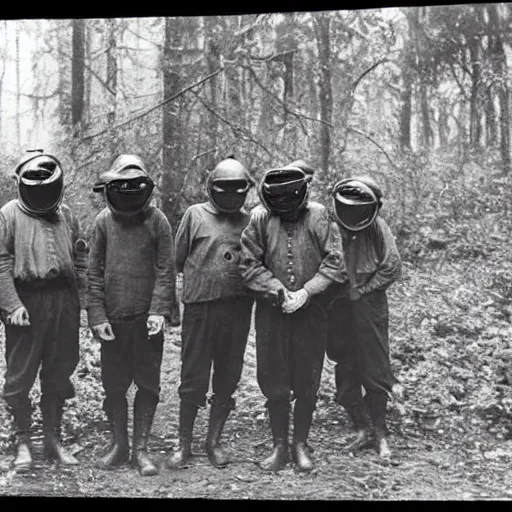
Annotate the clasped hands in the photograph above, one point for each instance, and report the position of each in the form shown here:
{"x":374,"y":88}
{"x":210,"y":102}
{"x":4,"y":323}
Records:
{"x":294,"y":300}
{"x":104,"y":332}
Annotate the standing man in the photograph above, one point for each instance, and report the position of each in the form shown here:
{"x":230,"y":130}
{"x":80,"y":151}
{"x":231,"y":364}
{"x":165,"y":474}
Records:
{"x":42,"y":263}
{"x":131,"y":291}
{"x":358,"y":339}
{"x":290,"y":249}
{"x":217,"y":313}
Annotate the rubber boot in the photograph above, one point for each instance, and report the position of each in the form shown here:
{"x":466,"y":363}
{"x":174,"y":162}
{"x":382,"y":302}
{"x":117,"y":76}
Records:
{"x":218,"y":414}
{"x":279,"y":423}
{"x":302,"y":417}
{"x":119,"y":452}
{"x":143,"y":414}
{"x":377,"y":405}
{"x":22,"y":421}
{"x":188,"y":413}
{"x":51,"y":411}
{"x":362,"y":438}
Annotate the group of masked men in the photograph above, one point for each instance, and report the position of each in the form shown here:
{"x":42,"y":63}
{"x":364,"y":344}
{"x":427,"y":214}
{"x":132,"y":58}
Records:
{"x":315,"y":276}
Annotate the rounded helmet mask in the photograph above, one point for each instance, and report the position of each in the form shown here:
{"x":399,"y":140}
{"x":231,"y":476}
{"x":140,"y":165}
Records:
{"x":228,"y":185}
{"x":284,"y":190}
{"x":40,"y":184}
{"x":356,"y":205}
{"x":129,"y":196}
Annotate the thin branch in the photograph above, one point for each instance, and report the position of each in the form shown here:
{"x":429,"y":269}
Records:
{"x":158,"y":105}
{"x":274,"y":56}
{"x":234,"y":127}
{"x":93,"y":73}
{"x":354,"y":130}
{"x":159,"y":46}
{"x":364,"y":73}
{"x":204,"y":153}
{"x":279,"y":100}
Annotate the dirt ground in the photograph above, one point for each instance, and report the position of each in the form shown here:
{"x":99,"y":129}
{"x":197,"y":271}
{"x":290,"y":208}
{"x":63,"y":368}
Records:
{"x":425,"y":465}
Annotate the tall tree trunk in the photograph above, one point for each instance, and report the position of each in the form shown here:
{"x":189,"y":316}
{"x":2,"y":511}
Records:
{"x":2,"y":76}
{"x":406,"y":94}
{"x":111,"y":80}
{"x":88,"y":76}
{"x":18,"y":85}
{"x":491,"y":127}
{"x":172,"y":176}
{"x":323,"y":35}
{"x":77,"y":75}
{"x":213,"y":56}
{"x":474,"y":109}
{"x":500,"y":66}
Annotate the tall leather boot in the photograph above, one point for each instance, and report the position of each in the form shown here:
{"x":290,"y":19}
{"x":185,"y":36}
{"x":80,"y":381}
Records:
{"x":279,"y":413}
{"x":188,"y":413}
{"x":219,"y":412}
{"x":143,"y":414}
{"x":22,"y":416}
{"x":302,"y":417}
{"x":377,"y":405}
{"x":119,"y":452}
{"x":362,"y":438}
{"x":51,"y":411}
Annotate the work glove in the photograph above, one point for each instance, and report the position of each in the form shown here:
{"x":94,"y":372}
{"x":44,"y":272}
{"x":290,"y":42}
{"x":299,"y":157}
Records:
{"x":155,"y":324}
{"x":103,"y":331}
{"x":19,"y":317}
{"x":294,"y":300}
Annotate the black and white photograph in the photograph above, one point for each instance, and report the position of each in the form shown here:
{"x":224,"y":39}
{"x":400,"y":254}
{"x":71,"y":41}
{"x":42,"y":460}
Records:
{"x":257,"y":255}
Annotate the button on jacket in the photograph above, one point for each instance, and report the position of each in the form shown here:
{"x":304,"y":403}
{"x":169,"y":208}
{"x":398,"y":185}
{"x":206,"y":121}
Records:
{"x":208,"y":253}
{"x":294,"y":255}
{"x":35,"y":248}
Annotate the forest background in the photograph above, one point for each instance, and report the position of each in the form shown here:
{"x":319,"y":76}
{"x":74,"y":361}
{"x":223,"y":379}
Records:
{"x":419,"y":98}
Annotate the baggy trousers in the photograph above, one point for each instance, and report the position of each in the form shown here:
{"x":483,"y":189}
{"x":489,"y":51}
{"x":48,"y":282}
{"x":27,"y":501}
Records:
{"x":132,"y":357}
{"x":359,"y":344}
{"x":290,"y":351}
{"x":214,"y":332}
{"x":50,"y":344}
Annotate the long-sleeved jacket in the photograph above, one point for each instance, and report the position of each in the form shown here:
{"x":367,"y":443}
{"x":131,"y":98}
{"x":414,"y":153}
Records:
{"x":35,"y":248}
{"x":131,"y":268}
{"x":208,"y":253}
{"x":292,"y":255}
{"x":371,"y":257}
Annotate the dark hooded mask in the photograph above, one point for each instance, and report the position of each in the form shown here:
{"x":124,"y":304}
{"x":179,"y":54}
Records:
{"x":356,"y":203}
{"x":228,"y":185}
{"x":126,"y":186}
{"x":285,"y":190}
{"x":40,"y":183}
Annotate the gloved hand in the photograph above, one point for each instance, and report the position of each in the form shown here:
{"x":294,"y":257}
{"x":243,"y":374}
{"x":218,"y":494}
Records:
{"x":294,"y":300}
{"x":354,"y":294}
{"x":155,"y":324}
{"x":103,"y":331}
{"x":19,"y":317}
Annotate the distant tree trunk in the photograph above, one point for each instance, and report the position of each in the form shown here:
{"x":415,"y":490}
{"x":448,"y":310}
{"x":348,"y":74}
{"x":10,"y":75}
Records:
{"x":500,"y":65}
{"x":406,"y":96}
{"x":474,"y":107}
{"x":443,"y":123}
{"x":287,"y":44}
{"x":213,"y":56}
{"x":77,"y":75}
{"x":323,"y":35}
{"x":111,"y":80}
{"x":88,"y":77}
{"x":2,"y":76}
{"x":490,"y":118}
{"x":172,"y":175}
{"x":18,"y":86}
